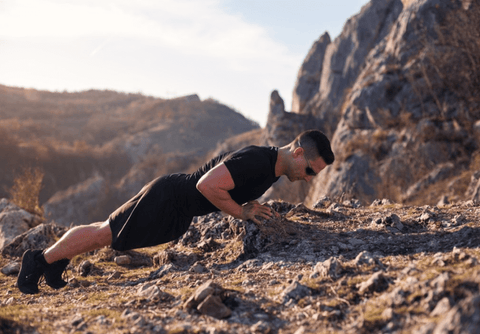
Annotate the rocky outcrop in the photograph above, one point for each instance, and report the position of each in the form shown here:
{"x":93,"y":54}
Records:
{"x":388,"y":127}
{"x":78,"y":204}
{"x":309,"y":75}
{"x":14,"y":221}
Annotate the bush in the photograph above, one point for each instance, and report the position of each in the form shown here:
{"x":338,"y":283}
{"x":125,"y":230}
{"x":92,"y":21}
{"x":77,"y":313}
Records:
{"x":26,"y":189}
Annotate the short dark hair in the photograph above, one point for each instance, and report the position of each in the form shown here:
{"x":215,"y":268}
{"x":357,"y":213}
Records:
{"x":315,"y":143}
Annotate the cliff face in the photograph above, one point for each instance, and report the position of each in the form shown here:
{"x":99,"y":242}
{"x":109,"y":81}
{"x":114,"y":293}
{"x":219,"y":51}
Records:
{"x":383,"y":92}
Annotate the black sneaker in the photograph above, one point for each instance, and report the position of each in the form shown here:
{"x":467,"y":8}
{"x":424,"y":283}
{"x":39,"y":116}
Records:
{"x":30,"y":272}
{"x":53,"y":273}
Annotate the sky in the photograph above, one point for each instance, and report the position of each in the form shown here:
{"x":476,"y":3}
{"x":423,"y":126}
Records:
{"x":234,"y":51}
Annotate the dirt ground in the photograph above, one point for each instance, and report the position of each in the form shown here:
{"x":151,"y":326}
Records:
{"x":338,"y":268}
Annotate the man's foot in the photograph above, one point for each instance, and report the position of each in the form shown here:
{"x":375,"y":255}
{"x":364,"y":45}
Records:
{"x":53,"y":273}
{"x":30,"y":272}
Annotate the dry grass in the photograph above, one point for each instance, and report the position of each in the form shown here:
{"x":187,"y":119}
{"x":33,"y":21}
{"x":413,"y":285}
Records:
{"x":26,"y":190}
{"x":451,"y":65}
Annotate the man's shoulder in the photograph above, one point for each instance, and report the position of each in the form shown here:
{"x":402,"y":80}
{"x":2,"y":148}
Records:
{"x":252,"y":158}
{"x":261,"y":150}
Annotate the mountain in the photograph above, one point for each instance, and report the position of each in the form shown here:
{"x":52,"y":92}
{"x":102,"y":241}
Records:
{"x":113,"y":142}
{"x":398,"y":93}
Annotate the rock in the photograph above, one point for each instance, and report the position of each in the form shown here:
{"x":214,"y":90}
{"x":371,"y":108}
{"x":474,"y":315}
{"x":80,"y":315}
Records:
{"x":78,"y":204}
{"x":162,"y":271}
{"x":352,"y":203}
{"x":442,"y":307}
{"x":133,"y":317}
{"x":362,"y":91}
{"x":323,"y":202}
{"x":377,"y":282}
{"x":300,"y":330}
{"x":295,"y":291}
{"x":164,"y":257}
{"x":394,"y":221}
{"x":206,"y":289}
{"x":309,"y":74}
{"x":198,"y":268}
{"x":397,"y":297}
{"x":208,"y":245}
{"x":213,"y":306}
{"x":207,"y":300}
{"x":440,"y":282}
{"x":14,"y":221}
{"x":13,"y":268}
{"x":462,"y":318}
{"x":85,"y":268}
{"x":364,"y":257}
{"x":388,"y":314}
{"x":123,"y":260}
{"x":330,"y":268}
{"x":39,"y":237}
{"x":153,"y":293}
{"x":261,"y":327}
{"x":426,"y":216}
{"x":438,"y":174}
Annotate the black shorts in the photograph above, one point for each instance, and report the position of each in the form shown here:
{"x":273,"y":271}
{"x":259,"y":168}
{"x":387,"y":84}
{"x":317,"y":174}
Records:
{"x":154,"y":216}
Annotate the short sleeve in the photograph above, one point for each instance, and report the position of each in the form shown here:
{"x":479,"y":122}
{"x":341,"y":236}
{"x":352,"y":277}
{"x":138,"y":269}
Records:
{"x":248,"y":166}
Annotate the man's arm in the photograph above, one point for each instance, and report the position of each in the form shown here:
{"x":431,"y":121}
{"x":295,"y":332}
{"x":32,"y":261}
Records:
{"x":216,"y":183}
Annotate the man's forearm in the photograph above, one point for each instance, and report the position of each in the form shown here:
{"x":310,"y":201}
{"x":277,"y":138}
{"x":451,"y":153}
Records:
{"x":223,"y":201}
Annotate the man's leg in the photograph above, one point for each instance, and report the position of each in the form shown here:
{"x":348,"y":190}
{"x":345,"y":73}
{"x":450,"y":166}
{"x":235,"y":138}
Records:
{"x":52,"y":262}
{"x":79,"y":240}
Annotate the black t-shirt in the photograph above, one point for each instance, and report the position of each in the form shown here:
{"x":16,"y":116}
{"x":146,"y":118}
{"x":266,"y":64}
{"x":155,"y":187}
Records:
{"x":253,"y":172}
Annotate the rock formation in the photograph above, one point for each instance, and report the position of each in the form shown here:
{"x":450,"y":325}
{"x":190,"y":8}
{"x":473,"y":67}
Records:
{"x":14,"y":221}
{"x":376,"y":92}
{"x":78,"y":204}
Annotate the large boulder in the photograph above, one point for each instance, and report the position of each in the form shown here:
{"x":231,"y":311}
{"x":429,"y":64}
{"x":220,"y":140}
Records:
{"x":14,"y":221}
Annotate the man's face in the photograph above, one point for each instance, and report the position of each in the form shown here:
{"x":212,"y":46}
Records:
{"x":306,"y":169}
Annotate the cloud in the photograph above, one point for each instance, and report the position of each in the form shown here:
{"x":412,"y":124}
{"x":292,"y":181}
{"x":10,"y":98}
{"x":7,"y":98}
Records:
{"x":199,"y":27}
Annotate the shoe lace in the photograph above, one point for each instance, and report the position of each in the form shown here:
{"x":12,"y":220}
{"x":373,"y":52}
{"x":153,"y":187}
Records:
{"x":65,"y":275}
{"x":41,"y":280}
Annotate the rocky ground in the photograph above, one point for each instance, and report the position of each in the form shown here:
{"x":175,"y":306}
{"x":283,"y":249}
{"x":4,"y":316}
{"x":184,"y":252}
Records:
{"x":341,"y":267}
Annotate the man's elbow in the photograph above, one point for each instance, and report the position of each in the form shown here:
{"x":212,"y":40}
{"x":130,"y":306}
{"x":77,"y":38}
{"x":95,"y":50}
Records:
{"x":202,"y":187}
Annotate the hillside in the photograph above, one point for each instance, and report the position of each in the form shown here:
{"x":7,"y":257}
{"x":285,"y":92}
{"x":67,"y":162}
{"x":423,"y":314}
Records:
{"x":340,"y":268}
{"x":125,"y":140}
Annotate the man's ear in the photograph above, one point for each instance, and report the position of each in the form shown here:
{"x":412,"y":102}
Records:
{"x":298,"y":152}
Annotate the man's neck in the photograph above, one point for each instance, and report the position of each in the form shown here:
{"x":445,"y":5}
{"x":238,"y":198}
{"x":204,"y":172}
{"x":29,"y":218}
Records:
{"x":282,"y":164}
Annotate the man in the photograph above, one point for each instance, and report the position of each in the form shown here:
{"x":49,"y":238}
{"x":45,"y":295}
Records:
{"x":163,"y":210}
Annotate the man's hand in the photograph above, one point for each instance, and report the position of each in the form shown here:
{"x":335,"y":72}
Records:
{"x":253,"y":209}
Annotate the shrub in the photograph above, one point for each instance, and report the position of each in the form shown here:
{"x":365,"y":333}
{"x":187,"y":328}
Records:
{"x":26,"y":189}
